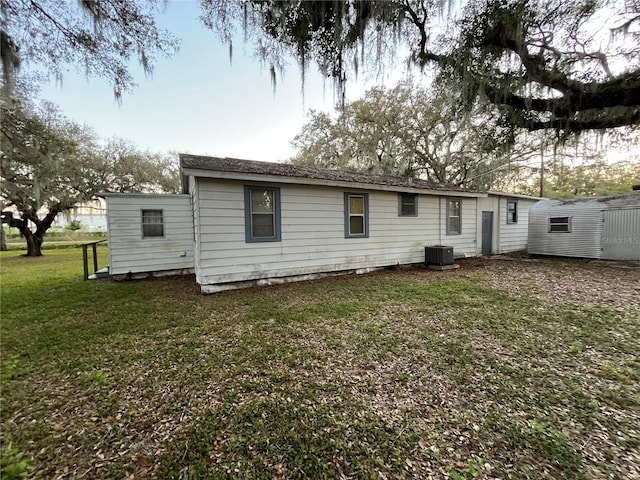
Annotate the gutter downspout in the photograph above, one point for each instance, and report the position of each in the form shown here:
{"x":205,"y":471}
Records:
{"x":498,"y":226}
{"x":440,"y":220}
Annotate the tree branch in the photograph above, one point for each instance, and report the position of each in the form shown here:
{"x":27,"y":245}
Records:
{"x":73,"y":38}
{"x":8,"y":218}
{"x":628,"y":118}
{"x":535,"y":65}
{"x":622,"y":91}
{"x":423,"y":55}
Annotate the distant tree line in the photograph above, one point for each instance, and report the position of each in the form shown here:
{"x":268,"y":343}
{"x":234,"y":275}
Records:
{"x":413,"y":130}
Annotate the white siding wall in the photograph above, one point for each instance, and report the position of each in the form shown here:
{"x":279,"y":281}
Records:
{"x":601,"y":227}
{"x":313,"y":233}
{"x":513,"y":236}
{"x":195,"y":212}
{"x":130,"y":253}
{"x":465,"y":244}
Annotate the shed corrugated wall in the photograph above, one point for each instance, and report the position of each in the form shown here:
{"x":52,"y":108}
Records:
{"x":607,"y":228}
{"x":621,"y":234}
{"x":582,"y":241}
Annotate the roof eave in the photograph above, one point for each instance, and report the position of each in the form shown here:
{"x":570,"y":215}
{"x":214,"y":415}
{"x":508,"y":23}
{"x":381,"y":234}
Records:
{"x":139,"y":194}
{"x":256,"y":177}
{"x":515,"y":195}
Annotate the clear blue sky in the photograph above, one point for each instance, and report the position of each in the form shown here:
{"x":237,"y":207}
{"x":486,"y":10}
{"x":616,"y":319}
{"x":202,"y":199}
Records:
{"x":197,"y":102}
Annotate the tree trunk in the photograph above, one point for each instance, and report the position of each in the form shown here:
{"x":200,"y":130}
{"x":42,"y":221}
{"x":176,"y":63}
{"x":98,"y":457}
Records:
{"x":34,"y":244}
{"x":34,"y":240}
{"x":3,"y":240}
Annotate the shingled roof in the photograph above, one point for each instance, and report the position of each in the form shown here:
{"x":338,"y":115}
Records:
{"x":235,"y":165}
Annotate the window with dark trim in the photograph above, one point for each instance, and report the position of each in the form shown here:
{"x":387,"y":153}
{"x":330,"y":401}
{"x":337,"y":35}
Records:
{"x":262,"y":214}
{"x":454,"y":217}
{"x":560,"y":225}
{"x":407,"y":205}
{"x":512,"y":211}
{"x":356,"y":215}
{"x":152,"y":223}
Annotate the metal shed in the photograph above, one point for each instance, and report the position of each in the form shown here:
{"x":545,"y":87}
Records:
{"x":594,"y":227}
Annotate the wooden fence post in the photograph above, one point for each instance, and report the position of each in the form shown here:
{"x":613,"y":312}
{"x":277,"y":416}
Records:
{"x":95,"y":258}
{"x":85,"y":262}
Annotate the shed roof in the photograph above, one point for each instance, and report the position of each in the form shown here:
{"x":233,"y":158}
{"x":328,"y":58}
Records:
{"x":631,"y":200}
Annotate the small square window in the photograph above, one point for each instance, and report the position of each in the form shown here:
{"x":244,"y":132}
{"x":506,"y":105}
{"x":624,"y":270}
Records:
{"x":512,"y":211}
{"x":407,"y":205}
{"x":560,"y":225}
{"x":152,"y":223}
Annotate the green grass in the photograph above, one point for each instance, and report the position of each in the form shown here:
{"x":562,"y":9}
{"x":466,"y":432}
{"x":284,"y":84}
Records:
{"x":399,"y":374}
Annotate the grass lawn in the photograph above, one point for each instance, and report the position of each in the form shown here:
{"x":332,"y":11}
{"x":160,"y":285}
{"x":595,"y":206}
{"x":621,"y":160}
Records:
{"x":497,"y":370}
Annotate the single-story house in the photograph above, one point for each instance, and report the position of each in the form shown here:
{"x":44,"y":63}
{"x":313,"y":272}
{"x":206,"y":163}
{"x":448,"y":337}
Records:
{"x":241,"y":223}
{"x":593,"y":227}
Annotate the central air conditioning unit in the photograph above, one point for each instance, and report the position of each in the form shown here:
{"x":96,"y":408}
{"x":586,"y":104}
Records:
{"x":438,"y":255}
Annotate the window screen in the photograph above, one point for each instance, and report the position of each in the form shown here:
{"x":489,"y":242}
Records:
{"x":512,"y":211}
{"x":408,"y":205}
{"x":453,"y":217}
{"x":262,"y":214}
{"x":152,"y":223}
{"x":356,"y":213}
{"x":560,"y":225}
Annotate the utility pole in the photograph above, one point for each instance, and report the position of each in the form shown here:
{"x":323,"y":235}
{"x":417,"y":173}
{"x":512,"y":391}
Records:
{"x":542,"y":172}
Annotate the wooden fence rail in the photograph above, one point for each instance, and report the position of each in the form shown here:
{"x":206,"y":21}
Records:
{"x":85,"y":257}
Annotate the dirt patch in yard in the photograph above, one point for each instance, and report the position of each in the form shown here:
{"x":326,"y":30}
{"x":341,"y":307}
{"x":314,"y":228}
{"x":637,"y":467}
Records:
{"x":613,"y":285}
{"x":563,"y":280}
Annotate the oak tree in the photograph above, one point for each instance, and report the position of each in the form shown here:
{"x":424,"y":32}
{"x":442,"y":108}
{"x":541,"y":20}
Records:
{"x":49,"y":164}
{"x":564,"y":65}
{"x":44,"y":164}
{"x":123,"y":168}
{"x":412,"y":131}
